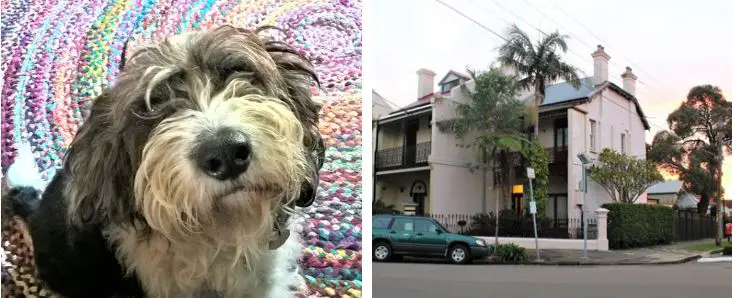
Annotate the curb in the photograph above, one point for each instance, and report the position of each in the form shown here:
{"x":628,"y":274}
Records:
{"x":592,"y":263}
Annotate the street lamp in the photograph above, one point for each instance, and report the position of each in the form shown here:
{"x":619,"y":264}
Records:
{"x":585,"y":160}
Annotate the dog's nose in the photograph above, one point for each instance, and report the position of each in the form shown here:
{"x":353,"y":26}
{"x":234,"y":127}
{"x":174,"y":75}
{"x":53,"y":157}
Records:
{"x":224,"y":155}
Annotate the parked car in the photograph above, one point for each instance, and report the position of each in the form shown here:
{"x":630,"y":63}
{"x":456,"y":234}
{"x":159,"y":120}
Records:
{"x":395,"y":236}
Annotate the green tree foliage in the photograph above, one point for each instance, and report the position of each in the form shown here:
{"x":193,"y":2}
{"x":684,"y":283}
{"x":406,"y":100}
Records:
{"x":538,"y":63}
{"x":493,"y":115}
{"x":624,"y":177}
{"x":690,"y":149}
{"x":538,"y":160}
{"x":492,"y":112}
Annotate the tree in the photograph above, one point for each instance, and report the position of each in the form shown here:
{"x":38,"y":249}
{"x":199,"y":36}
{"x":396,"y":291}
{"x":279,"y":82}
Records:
{"x":539,"y":64}
{"x":624,"y":177}
{"x":692,"y":149}
{"x":493,"y":113}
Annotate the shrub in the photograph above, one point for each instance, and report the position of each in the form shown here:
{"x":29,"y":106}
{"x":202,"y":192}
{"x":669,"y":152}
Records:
{"x":639,"y":225}
{"x":513,"y":225}
{"x":726,"y":250}
{"x":379,"y":207}
{"x":509,"y":253}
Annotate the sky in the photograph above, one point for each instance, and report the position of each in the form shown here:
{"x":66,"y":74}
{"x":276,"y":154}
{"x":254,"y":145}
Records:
{"x":671,"y":46}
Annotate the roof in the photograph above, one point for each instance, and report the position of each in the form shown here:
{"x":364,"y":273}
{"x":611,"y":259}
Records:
{"x":564,"y":93}
{"x":686,"y":201}
{"x":425,"y":100}
{"x":453,"y":72}
{"x":666,"y":187}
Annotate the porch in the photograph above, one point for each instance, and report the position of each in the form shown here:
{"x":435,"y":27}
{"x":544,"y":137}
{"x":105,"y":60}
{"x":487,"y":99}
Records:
{"x":406,"y":191}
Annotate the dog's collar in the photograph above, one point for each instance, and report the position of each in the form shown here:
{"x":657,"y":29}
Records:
{"x":282,"y":233}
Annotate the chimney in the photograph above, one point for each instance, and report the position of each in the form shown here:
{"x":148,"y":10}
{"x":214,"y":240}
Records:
{"x":600,"y":65}
{"x":425,"y":82}
{"x":629,"y":81}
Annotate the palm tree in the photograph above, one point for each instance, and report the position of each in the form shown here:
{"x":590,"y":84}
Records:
{"x":493,"y":112}
{"x":539,"y":63}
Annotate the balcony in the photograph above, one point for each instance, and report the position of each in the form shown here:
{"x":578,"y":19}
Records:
{"x":403,"y":157}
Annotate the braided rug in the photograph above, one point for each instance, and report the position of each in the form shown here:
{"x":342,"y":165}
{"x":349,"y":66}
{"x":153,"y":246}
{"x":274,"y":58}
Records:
{"x":58,"y":54}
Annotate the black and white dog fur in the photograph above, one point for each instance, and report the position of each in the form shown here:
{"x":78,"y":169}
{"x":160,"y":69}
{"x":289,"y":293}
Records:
{"x":183,"y":180}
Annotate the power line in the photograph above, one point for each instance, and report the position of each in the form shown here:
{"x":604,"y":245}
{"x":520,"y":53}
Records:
{"x":496,"y":34}
{"x":599,"y":39}
{"x":564,"y":28}
{"x":636,"y":65}
{"x":528,"y":23}
{"x":471,"y":19}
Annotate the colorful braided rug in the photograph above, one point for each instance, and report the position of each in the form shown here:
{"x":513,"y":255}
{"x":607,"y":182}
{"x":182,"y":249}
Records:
{"x":58,"y":54}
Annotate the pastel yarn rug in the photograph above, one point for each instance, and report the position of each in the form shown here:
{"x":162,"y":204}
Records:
{"x":58,"y":54}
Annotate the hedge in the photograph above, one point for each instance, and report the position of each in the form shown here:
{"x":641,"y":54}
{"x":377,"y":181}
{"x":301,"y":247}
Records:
{"x":639,"y":225}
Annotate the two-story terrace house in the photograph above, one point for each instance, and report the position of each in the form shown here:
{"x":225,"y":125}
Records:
{"x":417,"y":166}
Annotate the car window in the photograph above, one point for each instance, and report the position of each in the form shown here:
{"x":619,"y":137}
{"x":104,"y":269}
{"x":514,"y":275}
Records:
{"x":423,"y":225}
{"x":381,"y":222}
{"x":403,"y":225}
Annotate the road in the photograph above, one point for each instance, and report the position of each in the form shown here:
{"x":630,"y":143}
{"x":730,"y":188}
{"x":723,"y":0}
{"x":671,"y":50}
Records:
{"x":698,"y":280}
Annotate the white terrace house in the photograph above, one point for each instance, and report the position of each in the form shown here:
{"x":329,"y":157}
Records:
{"x":418,"y":167}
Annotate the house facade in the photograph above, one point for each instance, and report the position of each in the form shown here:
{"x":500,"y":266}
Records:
{"x":664,"y":193}
{"x":423,"y":169}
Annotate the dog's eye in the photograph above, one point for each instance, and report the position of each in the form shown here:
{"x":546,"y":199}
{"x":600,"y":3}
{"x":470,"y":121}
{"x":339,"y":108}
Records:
{"x":156,"y":102}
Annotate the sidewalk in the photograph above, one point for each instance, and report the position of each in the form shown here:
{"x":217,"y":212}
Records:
{"x":667,"y":254}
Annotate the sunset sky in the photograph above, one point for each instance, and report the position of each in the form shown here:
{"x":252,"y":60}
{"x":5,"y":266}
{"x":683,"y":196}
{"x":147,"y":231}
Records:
{"x":671,"y":46}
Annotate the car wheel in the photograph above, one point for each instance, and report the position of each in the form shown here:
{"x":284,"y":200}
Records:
{"x":382,"y":252}
{"x":459,"y":254}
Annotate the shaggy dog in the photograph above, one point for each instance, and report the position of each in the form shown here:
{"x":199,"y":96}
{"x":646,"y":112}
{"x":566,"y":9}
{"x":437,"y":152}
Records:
{"x":182,"y":181}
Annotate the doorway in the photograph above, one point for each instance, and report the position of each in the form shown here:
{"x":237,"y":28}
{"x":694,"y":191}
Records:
{"x":411,"y":128}
{"x":418,"y":192}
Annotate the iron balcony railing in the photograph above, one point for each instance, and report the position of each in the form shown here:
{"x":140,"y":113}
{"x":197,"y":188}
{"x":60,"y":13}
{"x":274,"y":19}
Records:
{"x":403,"y":156}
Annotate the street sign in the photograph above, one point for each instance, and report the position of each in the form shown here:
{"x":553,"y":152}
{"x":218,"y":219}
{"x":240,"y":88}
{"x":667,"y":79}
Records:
{"x":530,"y":173}
{"x":532,"y":207}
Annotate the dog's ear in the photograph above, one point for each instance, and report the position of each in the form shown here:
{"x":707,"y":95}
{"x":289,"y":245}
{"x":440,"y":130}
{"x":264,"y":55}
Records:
{"x":298,"y":74}
{"x":99,"y":167}
{"x":308,"y":188}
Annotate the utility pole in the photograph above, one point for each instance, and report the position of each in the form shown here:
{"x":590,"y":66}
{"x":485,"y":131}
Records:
{"x":719,"y":213}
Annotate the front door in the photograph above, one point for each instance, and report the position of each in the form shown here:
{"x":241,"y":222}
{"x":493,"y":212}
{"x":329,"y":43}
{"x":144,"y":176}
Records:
{"x":411,"y":141}
{"x":427,"y":240}
{"x":419,"y":199}
{"x":400,"y":233}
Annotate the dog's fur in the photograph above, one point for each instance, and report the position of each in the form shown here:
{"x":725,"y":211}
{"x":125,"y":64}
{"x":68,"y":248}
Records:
{"x":131,"y":214}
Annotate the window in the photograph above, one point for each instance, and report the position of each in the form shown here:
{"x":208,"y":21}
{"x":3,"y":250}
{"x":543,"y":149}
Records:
{"x":404,"y":225}
{"x":447,"y":86}
{"x":422,"y":226}
{"x":561,"y":133}
{"x":381,"y":222}
{"x":593,"y":135}
{"x":623,"y":143}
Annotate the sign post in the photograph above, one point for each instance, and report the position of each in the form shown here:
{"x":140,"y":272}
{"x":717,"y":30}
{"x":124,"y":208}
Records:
{"x":533,"y":210}
{"x":584,"y":188}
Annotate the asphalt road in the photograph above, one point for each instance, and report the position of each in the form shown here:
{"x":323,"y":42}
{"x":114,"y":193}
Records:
{"x":696,"y":280}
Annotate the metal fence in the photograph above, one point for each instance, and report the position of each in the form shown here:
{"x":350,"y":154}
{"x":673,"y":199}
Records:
{"x":510,"y":225}
{"x":695,"y":226}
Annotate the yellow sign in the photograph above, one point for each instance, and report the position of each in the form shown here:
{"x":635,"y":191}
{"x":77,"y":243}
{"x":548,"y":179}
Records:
{"x":518,"y":189}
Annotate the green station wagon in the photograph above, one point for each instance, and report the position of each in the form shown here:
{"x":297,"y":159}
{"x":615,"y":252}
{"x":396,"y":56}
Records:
{"x":394,"y":236}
